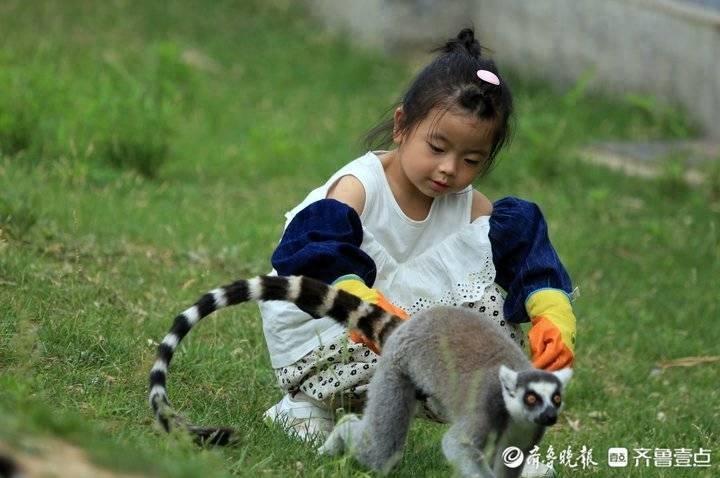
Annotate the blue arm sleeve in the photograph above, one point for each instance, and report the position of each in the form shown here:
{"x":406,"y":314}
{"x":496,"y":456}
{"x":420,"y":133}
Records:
{"x":524,"y":258}
{"x":323,"y":242}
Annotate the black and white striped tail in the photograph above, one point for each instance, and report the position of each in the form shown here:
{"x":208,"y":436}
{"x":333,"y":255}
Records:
{"x":313,"y":297}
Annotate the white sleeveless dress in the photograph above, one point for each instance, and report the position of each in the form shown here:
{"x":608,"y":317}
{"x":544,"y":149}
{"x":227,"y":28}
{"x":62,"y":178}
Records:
{"x":443,"y":259}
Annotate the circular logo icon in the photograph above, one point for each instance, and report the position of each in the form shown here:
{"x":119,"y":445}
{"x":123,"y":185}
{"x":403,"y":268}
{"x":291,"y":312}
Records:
{"x":512,"y":456}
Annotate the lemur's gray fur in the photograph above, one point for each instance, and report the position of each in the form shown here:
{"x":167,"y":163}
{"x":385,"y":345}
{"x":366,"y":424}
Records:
{"x":473,"y":375}
{"x":476,"y":378}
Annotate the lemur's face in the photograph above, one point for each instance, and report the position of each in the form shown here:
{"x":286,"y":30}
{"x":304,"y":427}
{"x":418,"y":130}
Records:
{"x":533,"y":396}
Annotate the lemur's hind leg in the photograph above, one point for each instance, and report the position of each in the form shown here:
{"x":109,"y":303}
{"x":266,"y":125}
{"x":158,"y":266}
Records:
{"x":377,"y":440}
{"x":462,"y":446}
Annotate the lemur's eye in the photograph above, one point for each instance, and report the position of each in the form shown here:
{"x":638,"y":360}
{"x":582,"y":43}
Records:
{"x":531,"y":399}
{"x":557,"y":399}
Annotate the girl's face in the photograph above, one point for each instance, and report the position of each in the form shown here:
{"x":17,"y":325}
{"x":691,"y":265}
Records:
{"x":444,"y":153}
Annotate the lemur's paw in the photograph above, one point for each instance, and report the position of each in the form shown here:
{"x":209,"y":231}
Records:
{"x":341,"y":437}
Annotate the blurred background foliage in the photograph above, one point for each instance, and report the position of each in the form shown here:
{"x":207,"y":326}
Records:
{"x":148,"y":151}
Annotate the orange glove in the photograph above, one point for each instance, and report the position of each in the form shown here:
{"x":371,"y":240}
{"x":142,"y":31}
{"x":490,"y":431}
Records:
{"x":355,"y":286}
{"x":552,"y":335}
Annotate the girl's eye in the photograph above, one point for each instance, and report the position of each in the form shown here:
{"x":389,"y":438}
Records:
{"x":435,"y":149}
{"x":472,"y":162}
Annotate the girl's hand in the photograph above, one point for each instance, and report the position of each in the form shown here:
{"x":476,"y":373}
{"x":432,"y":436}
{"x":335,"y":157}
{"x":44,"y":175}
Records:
{"x":355,"y":286}
{"x":552,"y":335}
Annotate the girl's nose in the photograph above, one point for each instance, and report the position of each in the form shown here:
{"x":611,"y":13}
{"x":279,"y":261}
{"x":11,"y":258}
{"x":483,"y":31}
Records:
{"x":447,"y":166}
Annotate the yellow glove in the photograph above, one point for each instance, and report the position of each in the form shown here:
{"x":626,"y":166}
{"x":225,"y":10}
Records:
{"x":552,"y":335}
{"x":355,"y":286}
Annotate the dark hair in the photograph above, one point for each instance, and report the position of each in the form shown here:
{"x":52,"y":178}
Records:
{"x":450,"y":81}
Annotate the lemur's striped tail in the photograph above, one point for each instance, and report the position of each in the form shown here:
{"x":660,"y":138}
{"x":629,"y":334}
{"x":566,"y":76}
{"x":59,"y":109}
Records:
{"x":314,"y":297}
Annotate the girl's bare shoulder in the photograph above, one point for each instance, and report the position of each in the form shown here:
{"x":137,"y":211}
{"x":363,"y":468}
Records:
{"x":349,"y":190}
{"x":481,"y":205}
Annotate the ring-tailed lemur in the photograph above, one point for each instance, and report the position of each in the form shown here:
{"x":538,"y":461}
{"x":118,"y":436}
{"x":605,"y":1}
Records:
{"x":474,"y":376}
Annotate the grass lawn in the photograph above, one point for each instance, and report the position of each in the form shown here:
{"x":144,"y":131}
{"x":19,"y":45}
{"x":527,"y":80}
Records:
{"x":148,"y":153}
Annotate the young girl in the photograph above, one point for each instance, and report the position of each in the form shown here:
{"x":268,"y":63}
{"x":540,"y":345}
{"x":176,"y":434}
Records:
{"x":408,"y":222}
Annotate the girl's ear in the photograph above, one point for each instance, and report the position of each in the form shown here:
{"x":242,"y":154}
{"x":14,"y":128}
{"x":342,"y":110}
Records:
{"x":398,"y":122}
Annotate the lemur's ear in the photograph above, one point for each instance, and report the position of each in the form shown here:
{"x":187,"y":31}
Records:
{"x":508,"y":378}
{"x":564,"y":375}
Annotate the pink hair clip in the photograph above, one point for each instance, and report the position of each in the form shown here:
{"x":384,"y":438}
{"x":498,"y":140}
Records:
{"x":489,"y":77}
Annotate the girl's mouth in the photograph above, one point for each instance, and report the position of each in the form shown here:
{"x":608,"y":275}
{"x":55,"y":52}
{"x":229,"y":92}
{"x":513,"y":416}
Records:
{"x":438,"y":186}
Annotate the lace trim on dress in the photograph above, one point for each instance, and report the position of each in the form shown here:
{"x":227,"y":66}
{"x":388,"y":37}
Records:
{"x":462,"y":293}
{"x":453,"y":272}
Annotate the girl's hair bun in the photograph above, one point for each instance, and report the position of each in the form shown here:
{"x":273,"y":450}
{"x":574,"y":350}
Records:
{"x":465,"y":40}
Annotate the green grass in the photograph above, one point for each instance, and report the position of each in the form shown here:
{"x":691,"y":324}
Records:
{"x":148,"y":154}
